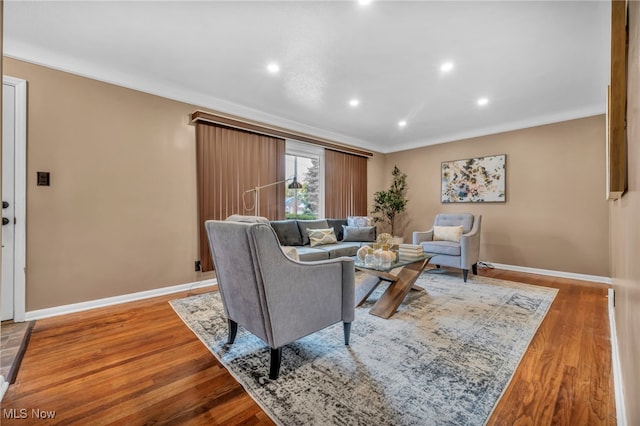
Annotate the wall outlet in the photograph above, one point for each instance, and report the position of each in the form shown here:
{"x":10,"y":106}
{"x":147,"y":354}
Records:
{"x":198,"y":266}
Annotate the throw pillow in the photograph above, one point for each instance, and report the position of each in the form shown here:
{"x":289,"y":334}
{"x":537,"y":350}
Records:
{"x":303,"y":225}
{"x":359,"y":221}
{"x":320,"y":237}
{"x":359,"y":233}
{"x":447,"y":233}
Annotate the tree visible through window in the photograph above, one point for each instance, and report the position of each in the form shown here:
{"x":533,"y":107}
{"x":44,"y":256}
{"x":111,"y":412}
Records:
{"x":303,"y":203}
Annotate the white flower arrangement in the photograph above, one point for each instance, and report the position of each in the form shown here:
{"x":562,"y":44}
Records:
{"x":384,"y":239}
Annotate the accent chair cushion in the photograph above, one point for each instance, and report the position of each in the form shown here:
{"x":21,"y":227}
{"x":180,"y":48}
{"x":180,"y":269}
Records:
{"x":303,"y":225}
{"x":287,"y":232}
{"x":247,"y":219}
{"x":359,"y":233}
{"x":321,"y":237}
{"x":448,"y":248}
{"x":447,"y":233}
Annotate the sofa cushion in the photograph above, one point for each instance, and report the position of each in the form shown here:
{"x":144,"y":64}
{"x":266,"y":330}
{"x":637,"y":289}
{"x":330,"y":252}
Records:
{"x":307,"y":254}
{"x":441,"y":247}
{"x":336,"y":224}
{"x":341,"y":249}
{"x":364,"y":233}
{"x":287,"y":232}
{"x":321,"y":237}
{"x":447,"y":233}
{"x":303,"y":225}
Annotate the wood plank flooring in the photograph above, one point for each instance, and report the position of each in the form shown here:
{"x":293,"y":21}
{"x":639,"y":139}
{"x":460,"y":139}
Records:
{"x":138,"y":364}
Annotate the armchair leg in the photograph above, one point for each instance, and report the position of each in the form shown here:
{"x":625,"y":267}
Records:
{"x":233,"y":329}
{"x":274,"y":368}
{"x":465,"y":272}
{"x":347,"y":332}
{"x":474,"y":269}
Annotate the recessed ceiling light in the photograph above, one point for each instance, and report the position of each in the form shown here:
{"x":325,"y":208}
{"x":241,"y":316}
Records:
{"x":402,"y":123}
{"x":483,"y":101}
{"x":273,"y":68}
{"x":354,"y":102}
{"x":364,"y":2}
{"x":446,"y":67}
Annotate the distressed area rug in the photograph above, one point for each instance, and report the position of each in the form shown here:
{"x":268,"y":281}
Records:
{"x":444,"y":358}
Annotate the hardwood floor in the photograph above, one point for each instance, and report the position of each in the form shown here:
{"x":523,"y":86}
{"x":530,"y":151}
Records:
{"x":137,"y":363}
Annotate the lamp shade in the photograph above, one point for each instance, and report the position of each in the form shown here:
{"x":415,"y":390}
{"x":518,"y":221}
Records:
{"x":295,"y":184}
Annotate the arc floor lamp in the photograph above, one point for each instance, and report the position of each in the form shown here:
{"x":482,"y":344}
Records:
{"x":256,"y":192}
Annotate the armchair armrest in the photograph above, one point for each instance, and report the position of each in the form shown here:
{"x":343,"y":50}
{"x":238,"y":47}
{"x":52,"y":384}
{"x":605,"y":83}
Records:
{"x":420,"y":236}
{"x":348,"y":282}
{"x":470,"y":245}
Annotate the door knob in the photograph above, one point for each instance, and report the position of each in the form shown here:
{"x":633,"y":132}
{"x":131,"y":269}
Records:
{"x":5,"y":221}
{"x":5,"y":204}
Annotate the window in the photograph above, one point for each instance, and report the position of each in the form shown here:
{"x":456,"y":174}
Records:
{"x":305,"y":163}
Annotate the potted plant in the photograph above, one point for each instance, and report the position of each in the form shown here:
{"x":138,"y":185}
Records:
{"x":388,"y":204}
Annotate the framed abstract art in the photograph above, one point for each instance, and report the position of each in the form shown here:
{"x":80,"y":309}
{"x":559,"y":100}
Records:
{"x":476,"y":180}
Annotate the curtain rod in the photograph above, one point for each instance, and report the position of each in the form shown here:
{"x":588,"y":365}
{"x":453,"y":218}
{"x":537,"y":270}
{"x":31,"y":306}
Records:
{"x":269,"y":130}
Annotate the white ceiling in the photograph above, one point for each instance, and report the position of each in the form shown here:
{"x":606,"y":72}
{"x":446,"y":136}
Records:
{"x":537,"y":62}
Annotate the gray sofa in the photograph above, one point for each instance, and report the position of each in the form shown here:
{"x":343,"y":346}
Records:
{"x":292,"y":232}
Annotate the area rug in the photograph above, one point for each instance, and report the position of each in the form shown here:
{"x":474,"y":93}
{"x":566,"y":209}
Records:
{"x":444,"y":358}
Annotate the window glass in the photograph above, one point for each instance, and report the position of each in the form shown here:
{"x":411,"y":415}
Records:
{"x":305,"y":166}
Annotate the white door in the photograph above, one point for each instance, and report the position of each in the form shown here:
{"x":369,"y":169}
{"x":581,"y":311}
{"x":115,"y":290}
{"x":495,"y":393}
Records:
{"x":14,"y":165}
{"x":8,"y":200}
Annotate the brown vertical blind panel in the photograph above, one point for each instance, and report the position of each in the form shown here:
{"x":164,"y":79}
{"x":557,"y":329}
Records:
{"x":230,"y":162}
{"x":345,"y":185}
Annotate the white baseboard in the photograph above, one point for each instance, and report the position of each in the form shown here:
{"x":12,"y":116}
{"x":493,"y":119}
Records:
{"x":621,"y":412}
{"x":99,"y":303}
{"x":4,"y":385}
{"x":560,"y":274}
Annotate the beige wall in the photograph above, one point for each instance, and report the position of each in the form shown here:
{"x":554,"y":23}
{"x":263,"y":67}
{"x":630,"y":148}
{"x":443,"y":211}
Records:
{"x":625,"y":235}
{"x":120,"y":214}
{"x":555,"y":216}
{"x":376,"y":178}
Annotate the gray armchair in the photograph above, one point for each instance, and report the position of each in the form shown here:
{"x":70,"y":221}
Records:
{"x":464,"y":254}
{"x":274,"y":297}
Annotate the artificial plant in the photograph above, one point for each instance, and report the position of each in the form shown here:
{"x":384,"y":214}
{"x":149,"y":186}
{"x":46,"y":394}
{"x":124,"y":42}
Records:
{"x":388,"y":204}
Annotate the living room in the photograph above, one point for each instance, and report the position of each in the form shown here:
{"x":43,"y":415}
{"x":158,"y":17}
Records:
{"x":120,"y":214}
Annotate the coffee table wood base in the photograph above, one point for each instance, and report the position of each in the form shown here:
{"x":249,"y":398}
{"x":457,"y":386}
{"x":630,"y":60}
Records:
{"x":400,"y":285}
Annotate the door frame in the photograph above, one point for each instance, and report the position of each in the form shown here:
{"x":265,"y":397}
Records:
{"x":20,"y":201}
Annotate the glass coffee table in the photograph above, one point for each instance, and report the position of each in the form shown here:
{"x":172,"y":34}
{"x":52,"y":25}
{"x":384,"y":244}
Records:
{"x":402,"y":274}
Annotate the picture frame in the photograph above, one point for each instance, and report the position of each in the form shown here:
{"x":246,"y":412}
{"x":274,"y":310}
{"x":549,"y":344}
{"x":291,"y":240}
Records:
{"x":474,"y":180}
{"x":616,"y":133}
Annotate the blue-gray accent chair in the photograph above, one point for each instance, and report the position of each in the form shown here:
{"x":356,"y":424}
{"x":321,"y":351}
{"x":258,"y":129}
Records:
{"x":463,"y":255}
{"x":274,"y":297}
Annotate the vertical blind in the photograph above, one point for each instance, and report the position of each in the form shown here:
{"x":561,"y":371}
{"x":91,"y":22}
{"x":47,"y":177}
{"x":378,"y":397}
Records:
{"x":230,"y":162}
{"x":345,"y":184}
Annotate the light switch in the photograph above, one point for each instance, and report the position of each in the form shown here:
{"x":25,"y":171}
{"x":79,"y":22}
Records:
{"x":43,"y":178}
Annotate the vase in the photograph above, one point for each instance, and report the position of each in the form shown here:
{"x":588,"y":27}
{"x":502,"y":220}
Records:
{"x":384,"y":257}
